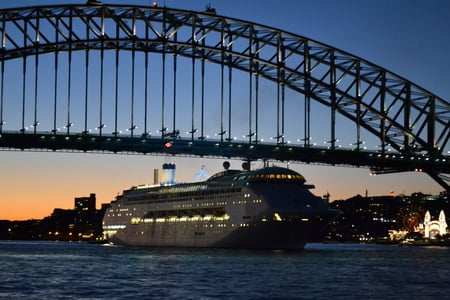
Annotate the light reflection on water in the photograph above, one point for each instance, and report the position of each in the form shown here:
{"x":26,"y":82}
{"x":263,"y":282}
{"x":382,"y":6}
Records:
{"x":59,"y":270}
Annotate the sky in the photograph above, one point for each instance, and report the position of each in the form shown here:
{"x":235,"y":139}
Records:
{"x":408,"y":37}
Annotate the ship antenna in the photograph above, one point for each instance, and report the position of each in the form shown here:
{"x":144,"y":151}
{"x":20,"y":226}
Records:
{"x":201,"y":174}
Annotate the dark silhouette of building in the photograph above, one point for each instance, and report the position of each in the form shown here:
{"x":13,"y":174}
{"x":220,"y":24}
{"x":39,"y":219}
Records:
{"x":83,"y":223}
{"x":85,"y":212}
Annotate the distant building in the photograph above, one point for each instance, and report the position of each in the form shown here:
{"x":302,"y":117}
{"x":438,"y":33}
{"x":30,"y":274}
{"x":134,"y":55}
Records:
{"x":434,"y":227}
{"x":85,"y":203}
{"x":85,"y":211}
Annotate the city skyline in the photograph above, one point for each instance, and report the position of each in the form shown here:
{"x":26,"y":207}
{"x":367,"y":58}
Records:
{"x":405,"y":37}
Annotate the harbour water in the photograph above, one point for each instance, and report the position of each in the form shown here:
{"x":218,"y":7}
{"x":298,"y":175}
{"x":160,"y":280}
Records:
{"x":60,"y":270}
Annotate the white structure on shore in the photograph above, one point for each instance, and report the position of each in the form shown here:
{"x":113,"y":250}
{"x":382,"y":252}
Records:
{"x":434,"y":227}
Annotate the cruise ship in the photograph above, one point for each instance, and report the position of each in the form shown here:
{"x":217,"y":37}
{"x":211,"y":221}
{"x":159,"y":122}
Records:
{"x":267,"y":208}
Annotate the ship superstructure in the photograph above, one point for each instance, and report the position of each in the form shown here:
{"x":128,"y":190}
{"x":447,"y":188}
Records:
{"x":270,"y":208}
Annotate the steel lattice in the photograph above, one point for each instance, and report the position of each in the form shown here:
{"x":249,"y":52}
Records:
{"x":400,"y":114}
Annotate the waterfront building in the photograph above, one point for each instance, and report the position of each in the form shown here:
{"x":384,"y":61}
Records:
{"x":434,"y":227}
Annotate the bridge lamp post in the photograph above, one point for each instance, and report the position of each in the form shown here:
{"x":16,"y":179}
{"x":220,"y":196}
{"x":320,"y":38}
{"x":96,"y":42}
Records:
{"x":35,"y":125}
{"x":68,"y":127}
{"x":1,"y":125}
{"x":332,"y":143}
{"x":146,"y":134}
{"x":192,"y":132}
{"x":358,"y":145}
{"x":278,"y":138}
{"x":85,"y":132}
{"x":306,"y":142}
{"x":163,"y":131}
{"x":100,"y":128}
{"x":250,"y":137}
{"x":131,"y":129}
{"x":221,"y":134}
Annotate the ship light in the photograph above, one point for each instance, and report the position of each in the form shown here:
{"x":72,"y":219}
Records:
{"x":277,"y":217}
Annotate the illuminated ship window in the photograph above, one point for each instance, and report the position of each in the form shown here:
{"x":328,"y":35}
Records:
{"x":272,"y":176}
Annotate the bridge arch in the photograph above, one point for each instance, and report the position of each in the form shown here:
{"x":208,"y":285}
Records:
{"x":401,"y":115}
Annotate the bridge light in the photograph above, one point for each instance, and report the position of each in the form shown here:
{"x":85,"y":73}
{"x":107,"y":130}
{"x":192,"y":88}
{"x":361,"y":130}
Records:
{"x":168,"y":144}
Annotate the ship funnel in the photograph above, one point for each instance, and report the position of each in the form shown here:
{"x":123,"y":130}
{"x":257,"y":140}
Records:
{"x":168,"y":174}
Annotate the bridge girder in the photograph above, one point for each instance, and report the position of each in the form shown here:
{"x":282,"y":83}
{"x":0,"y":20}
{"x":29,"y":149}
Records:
{"x":215,"y":148}
{"x":399,"y":113}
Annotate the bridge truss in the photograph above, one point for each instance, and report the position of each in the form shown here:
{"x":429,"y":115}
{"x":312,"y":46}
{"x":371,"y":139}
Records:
{"x":64,"y":49}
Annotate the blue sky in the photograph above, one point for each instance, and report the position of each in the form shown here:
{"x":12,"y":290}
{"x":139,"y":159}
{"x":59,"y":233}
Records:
{"x":408,"y":37}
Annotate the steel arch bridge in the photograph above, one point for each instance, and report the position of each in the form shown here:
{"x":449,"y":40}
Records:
{"x":85,"y":66}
